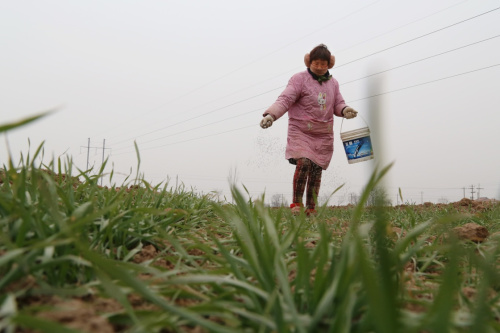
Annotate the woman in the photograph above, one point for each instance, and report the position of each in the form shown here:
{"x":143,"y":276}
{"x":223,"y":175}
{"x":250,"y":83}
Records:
{"x":311,"y":98}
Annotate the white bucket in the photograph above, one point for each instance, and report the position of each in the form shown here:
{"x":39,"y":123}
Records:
{"x":357,"y":145}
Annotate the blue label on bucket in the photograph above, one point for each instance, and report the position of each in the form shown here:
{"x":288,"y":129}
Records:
{"x":358,"y":148}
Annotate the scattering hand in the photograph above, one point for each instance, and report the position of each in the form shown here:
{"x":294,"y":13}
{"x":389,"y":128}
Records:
{"x":267,"y":121}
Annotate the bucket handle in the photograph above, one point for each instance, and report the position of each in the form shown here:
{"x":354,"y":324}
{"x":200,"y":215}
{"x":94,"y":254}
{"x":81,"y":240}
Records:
{"x":342,"y":123}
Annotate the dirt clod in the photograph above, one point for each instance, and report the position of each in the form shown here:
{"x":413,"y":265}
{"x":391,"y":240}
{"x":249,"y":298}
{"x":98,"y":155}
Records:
{"x":472,"y":231}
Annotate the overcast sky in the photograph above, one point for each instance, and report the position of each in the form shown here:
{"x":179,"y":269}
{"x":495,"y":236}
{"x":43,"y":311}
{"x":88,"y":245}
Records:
{"x":189,"y":80}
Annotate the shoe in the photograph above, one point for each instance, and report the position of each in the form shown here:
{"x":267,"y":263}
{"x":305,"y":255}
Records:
{"x":311,"y":211}
{"x":296,"y":208}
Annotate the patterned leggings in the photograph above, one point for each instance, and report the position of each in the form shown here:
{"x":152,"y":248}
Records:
{"x":306,"y":172}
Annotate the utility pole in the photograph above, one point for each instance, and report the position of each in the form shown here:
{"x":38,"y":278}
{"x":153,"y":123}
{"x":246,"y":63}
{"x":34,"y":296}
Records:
{"x":464,"y":191}
{"x":472,"y":192}
{"x":88,"y":151}
{"x":479,"y":188}
{"x":103,"y":145}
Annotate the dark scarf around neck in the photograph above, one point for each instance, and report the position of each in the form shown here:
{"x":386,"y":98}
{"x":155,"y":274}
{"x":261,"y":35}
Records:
{"x":320,"y":78}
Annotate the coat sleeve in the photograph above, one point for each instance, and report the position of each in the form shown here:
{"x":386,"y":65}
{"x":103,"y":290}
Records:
{"x":287,"y":98}
{"x":339,"y":101}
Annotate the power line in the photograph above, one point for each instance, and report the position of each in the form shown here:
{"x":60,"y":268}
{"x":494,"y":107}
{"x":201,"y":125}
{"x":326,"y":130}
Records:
{"x":288,"y":71}
{"x":405,"y":25}
{"x":262,"y":57}
{"x":304,"y":37}
{"x":195,"y":128}
{"x":201,"y":115}
{"x":426,"y":58}
{"x":350,"y":62}
{"x":419,"y":37}
{"x":424,"y":83}
{"x":198,"y":138}
{"x":228,"y":118}
{"x":368,"y":97}
{"x":348,"y":48}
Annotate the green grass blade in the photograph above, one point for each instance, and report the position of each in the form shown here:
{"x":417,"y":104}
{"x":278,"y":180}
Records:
{"x":25,"y":121}
{"x":41,"y":325}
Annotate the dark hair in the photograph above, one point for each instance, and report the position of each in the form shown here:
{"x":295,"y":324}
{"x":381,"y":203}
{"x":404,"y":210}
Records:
{"x":320,"y":52}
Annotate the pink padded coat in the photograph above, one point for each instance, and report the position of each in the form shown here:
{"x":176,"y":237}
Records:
{"x":310,"y":107}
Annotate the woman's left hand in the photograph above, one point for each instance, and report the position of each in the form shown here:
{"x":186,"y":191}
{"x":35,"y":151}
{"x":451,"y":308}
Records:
{"x":349,"y":113}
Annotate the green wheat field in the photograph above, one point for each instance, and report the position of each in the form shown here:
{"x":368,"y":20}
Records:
{"x":78,"y":257}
